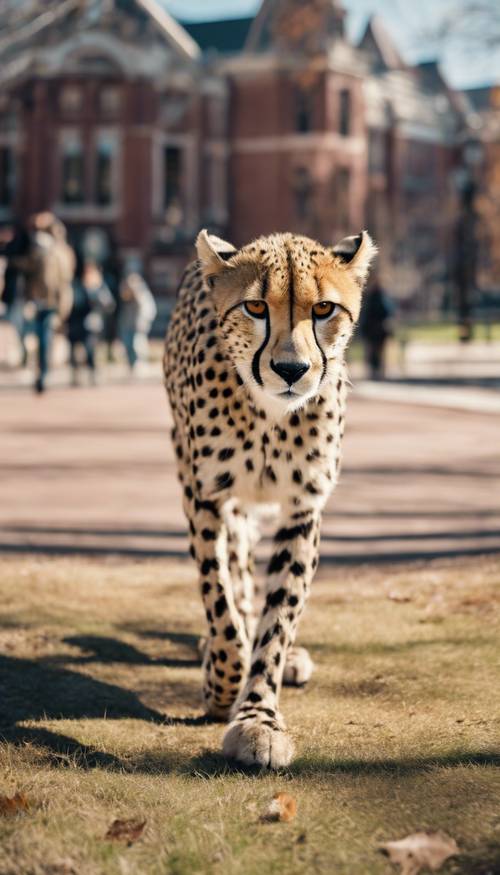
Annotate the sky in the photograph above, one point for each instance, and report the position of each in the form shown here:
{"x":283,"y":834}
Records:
{"x":409,"y":23}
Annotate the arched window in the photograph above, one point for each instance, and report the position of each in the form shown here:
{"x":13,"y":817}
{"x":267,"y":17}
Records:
{"x":73,"y":172}
{"x":105,"y":157}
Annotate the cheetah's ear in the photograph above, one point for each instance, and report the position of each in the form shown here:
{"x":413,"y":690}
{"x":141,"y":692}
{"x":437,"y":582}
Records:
{"x":357,"y":254}
{"x":213,"y":252}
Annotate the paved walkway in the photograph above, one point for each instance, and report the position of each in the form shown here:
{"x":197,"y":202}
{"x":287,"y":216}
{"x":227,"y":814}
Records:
{"x":92,"y":471}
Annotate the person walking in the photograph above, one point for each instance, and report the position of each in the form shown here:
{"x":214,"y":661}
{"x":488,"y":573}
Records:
{"x":13,"y":286}
{"x":375,"y":329}
{"x":137,"y":314}
{"x":92,"y":301}
{"x":49,"y":268}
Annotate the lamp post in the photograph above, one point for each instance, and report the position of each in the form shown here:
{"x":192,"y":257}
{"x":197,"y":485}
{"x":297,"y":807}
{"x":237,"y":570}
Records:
{"x":466,"y":180}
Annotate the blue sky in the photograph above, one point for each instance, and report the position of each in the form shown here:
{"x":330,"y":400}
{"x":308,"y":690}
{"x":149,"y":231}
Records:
{"x":406,"y":20}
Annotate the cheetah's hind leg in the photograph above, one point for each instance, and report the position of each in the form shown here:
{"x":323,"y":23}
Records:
{"x":298,"y":667}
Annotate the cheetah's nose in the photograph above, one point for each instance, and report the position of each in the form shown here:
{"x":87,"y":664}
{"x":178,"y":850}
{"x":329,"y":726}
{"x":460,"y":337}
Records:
{"x":290,"y":372}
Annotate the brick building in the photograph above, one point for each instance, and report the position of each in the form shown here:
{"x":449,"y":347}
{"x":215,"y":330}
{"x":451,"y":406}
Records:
{"x":138,"y":130}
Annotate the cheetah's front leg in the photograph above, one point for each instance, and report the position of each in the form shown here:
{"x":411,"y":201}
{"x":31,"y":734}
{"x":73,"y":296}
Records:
{"x":257,"y":734}
{"x":227,"y":652}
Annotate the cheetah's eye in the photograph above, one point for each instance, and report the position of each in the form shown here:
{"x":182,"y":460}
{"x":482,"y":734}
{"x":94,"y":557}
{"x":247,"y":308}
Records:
{"x":325,"y":309}
{"x":257,"y":309}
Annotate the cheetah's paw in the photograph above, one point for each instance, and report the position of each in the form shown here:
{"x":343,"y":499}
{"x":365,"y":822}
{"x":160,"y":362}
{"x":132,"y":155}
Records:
{"x":298,"y":667}
{"x":258,"y":741}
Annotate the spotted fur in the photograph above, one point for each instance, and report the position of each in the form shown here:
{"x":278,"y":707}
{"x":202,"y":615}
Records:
{"x":257,"y":385}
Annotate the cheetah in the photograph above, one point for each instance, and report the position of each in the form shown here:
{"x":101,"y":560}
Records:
{"x":255,"y":373}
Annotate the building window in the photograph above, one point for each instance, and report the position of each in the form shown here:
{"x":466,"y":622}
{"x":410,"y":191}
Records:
{"x":303,"y":111}
{"x":345,"y":113}
{"x":173,"y":185}
{"x":342,"y":197}
{"x":73,"y":173}
{"x":6,"y":176}
{"x":71,"y":100}
{"x":303,"y":190}
{"x":377,"y":151}
{"x":110,"y":101}
{"x":104,"y":167}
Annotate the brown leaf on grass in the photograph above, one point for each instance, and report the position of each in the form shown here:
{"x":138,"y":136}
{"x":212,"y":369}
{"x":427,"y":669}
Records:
{"x":128,"y":831}
{"x":282,"y":807}
{"x":399,"y":597}
{"x":10,"y":805}
{"x":62,"y":867}
{"x":421,"y":849}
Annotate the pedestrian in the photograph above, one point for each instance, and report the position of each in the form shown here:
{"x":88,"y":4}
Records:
{"x":137,"y":314}
{"x":13,"y":286}
{"x":112,"y":278}
{"x":49,"y":268}
{"x":375,"y":329}
{"x":92,"y":301}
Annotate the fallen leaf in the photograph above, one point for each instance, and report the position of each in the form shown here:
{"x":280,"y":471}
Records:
{"x":399,"y":597}
{"x":128,"y":831}
{"x":429,"y":849}
{"x":282,"y":807}
{"x":10,"y":805}
{"x":62,"y":867}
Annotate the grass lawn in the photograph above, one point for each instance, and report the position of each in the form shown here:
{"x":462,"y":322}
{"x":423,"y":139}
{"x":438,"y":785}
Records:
{"x":399,"y":730}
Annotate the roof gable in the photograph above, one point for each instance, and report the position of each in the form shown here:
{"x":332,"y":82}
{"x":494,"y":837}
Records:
{"x":380,"y":47}
{"x":40,"y":26}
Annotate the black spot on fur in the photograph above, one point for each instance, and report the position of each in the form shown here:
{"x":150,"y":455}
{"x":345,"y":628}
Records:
{"x":276,"y":598}
{"x":224,"y":481}
{"x":258,"y":667}
{"x":278,"y":562}
{"x":208,"y":564}
{"x":220,"y":606}
{"x":297,"y":569}
{"x":289,"y":534}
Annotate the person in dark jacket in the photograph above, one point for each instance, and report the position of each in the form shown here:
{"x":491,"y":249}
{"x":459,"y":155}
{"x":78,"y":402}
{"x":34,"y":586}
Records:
{"x":375,"y":329}
{"x":13,"y":287}
{"x":92,"y":301}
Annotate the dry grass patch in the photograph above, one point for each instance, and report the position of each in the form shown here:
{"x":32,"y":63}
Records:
{"x":398,"y":731}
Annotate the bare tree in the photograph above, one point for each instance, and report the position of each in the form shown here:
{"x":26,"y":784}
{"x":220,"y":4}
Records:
{"x":473,"y":23}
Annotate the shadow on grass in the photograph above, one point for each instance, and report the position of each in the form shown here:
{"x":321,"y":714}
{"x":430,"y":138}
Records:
{"x":185,"y":639}
{"x":31,"y":690}
{"x":483,"y":860}
{"x":305,"y":766}
{"x":212,"y":764}
{"x":103,"y":649}
{"x":374,"y":648}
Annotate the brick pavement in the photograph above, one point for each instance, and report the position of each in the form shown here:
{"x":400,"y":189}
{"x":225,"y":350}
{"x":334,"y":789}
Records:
{"x":92,"y":471}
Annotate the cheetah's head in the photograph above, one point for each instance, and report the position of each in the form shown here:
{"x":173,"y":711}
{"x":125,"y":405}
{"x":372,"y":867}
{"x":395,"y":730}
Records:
{"x":287,"y":308}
